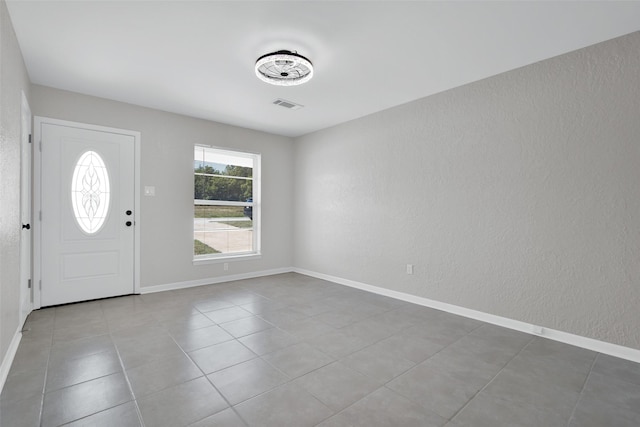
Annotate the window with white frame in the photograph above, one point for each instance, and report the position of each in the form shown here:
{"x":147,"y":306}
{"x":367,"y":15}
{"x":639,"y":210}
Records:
{"x":226,"y":202}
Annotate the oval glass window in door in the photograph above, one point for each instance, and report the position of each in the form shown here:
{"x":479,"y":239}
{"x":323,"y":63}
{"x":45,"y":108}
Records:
{"x":90,"y":192}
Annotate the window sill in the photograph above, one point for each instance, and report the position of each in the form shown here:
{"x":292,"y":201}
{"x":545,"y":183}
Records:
{"x":227,"y":258}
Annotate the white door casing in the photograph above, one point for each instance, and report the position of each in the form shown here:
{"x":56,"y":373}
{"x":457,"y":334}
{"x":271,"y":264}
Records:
{"x":25,"y":211}
{"x":82,"y":257}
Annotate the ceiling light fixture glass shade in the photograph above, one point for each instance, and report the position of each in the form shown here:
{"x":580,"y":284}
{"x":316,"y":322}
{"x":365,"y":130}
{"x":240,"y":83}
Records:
{"x":284,"y":68}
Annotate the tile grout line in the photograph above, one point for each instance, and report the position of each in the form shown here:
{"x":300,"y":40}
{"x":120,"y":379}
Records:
{"x":126,"y":377}
{"x":109,"y":333}
{"x":384,"y":385}
{"x":205,"y":375}
{"x":290,"y":379}
{"x":492,"y":379}
{"x":584,"y":384}
{"x":46,"y":373}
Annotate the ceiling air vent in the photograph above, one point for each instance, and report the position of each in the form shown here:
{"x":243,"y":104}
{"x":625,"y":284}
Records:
{"x":287,"y":104}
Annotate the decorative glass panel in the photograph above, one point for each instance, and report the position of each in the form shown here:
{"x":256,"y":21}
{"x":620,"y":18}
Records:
{"x":90,"y":192}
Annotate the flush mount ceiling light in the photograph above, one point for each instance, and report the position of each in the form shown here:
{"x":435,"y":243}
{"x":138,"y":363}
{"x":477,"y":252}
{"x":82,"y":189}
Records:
{"x":284,"y":68}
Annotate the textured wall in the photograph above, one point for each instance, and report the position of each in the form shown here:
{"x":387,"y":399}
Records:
{"x":517,"y":195}
{"x":166,"y":224}
{"x":13,"y":80}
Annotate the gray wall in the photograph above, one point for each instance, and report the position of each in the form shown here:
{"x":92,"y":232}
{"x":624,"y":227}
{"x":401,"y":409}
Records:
{"x":167,"y":163}
{"x":518,"y":195}
{"x":13,"y":80}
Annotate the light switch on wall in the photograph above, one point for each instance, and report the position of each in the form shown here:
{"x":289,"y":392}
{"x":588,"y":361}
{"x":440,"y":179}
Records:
{"x":149,"y":190}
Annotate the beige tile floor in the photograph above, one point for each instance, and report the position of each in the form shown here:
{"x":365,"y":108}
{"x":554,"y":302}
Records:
{"x":290,"y":350}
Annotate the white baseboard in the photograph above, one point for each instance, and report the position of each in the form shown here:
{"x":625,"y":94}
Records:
{"x":8,"y":358}
{"x":213,"y":280}
{"x":553,"y":334}
{"x":565,"y":337}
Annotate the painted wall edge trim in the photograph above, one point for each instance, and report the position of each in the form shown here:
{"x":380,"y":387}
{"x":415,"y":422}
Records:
{"x":213,"y":280}
{"x":8,"y":358}
{"x":565,"y":337}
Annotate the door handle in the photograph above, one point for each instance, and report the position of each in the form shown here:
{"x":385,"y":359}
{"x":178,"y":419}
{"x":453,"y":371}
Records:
{"x":27,"y":226}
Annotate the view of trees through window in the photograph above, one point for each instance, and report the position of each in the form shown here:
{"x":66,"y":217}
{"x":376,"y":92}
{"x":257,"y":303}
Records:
{"x":214,"y":184}
{"x":223,"y":202}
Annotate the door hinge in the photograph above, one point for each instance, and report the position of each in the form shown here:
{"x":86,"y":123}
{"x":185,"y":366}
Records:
{"x":41,"y":146}
{"x":40,"y":284}
{"x":29,"y":284}
{"x":30,"y":139}
{"x":40,"y":215}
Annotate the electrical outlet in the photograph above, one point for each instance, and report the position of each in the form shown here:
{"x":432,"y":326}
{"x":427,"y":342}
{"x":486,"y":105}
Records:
{"x":409,"y":268}
{"x":226,"y":266}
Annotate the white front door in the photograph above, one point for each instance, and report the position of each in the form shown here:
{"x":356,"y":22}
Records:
{"x":87,"y":202}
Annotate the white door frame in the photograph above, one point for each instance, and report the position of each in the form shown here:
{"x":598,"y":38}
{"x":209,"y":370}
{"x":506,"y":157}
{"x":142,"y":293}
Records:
{"x":26,"y":216}
{"x":37,"y":205}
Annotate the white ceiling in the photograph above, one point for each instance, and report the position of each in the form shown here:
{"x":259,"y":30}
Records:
{"x":197,"y":58}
